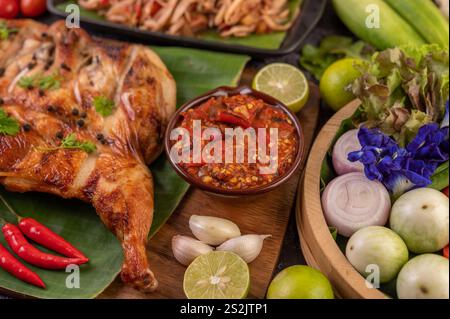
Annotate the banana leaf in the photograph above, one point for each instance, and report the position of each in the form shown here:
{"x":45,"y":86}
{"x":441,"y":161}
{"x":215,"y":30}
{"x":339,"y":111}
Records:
{"x":265,"y":41}
{"x":79,"y":224}
{"x":195,"y":72}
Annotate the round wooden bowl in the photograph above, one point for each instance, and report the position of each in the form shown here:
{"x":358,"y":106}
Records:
{"x":319,"y":247}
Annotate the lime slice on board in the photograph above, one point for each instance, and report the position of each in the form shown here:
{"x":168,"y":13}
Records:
{"x":284,"y":82}
{"x":217,"y":275}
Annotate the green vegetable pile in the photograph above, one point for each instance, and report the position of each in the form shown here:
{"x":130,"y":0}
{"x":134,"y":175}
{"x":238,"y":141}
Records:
{"x":317,"y":59}
{"x":404,"y":89}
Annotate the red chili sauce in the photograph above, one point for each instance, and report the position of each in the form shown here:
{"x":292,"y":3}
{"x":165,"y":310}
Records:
{"x":244,"y":111}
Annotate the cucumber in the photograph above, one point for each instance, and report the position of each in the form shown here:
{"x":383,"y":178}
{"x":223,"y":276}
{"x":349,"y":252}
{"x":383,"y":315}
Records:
{"x":393,"y":29}
{"x":426,"y":19}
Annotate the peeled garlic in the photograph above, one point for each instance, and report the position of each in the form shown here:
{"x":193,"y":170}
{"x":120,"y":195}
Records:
{"x":186,"y":249}
{"x":248,"y":247}
{"x":213,"y":230}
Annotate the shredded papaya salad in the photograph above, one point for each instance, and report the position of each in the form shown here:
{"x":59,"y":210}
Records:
{"x":237,"y":18}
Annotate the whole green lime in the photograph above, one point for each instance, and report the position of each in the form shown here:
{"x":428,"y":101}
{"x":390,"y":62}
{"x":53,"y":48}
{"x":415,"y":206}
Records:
{"x":300,"y":282}
{"x":334,"y":81}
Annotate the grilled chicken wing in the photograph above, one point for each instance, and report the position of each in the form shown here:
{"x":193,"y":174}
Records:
{"x":114,"y":178}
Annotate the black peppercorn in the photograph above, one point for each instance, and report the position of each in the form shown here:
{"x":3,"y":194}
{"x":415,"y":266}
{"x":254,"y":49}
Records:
{"x":31,"y":65}
{"x":75,"y":112}
{"x":104,"y":142}
{"x":100,"y":137}
{"x":83,"y":115}
{"x":41,"y":92}
{"x":80,"y":123}
{"x":65,"y":67}
{"x":27,"y":127}
{"x":60,"y":135}
{"x":51,"y":109}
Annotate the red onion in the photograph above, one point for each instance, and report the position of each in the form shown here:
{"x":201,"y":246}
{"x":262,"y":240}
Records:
{"x":345,"y":145}
{"x":352,"y":201}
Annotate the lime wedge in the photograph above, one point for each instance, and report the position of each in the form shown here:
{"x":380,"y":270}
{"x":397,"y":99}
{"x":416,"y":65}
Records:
{"x":217,"y":275}
{"x":284,"y":82}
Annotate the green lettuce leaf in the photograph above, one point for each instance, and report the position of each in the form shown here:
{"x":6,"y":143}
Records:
{"x":403,"y":89}
{"x":440,"y":177}
{"x":317,"y":59}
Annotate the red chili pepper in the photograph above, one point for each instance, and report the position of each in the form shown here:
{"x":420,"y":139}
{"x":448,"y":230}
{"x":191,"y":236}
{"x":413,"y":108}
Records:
{"x":189,"y":165}
{"x":45,"y":237}
{"x":445,"y":252}
{"x":32,"y":255}
{"x":10,"y":264}
{"x":232,"y":119}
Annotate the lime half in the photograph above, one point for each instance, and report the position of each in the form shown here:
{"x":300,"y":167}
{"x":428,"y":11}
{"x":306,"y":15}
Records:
{"x":217,"y":275}
{"x":284,"y":82}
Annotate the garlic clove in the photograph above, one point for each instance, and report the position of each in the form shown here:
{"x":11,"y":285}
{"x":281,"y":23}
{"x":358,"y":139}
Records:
{"x":186,"y":249}
{"x":248,"y":247}
{"x":213,"y":230}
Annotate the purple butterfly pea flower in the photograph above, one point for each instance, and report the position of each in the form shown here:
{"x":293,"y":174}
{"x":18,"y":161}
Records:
{"x":402,"y":169}
{"x":430,"y":144}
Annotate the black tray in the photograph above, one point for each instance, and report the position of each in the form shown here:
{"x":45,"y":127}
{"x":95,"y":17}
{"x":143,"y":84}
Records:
{"x":310,"y":14}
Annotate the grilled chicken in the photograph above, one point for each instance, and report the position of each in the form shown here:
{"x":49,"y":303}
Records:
{"x":114,"y":178}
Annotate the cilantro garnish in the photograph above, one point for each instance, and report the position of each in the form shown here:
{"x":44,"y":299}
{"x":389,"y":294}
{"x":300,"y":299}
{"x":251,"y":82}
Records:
{"x":103,"y":106}
{"x":71,"y":142}
{"x":27,"y":82}
{"x":8,"y":125}
{"x":47,"y":82}
{"x":5,"y":31}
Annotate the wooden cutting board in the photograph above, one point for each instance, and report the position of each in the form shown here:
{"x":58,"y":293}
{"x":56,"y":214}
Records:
{"x":268,"y":214}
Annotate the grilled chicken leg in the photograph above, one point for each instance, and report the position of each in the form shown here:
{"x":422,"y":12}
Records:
{"x":114,"y":178}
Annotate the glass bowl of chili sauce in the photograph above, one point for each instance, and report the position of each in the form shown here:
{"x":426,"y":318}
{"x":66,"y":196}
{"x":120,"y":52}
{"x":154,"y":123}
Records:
{"x":235,"y":142}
